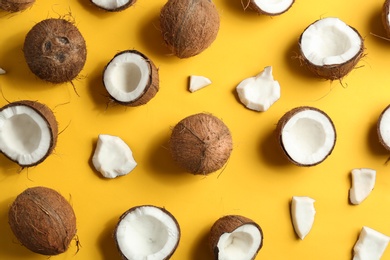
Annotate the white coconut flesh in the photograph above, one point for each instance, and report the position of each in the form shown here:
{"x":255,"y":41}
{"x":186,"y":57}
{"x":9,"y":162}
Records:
{"x":110,"y":4}
{"x":273,"y":6}
{"x":330,"y":41}
{"x":363,"y":182}
{"x":127,"y":76}
{"x":198,"y":82}
{"x":25,"y":136}
{"x":147,"y":232}
{"x":241,"y":244}
{"x":302,"y":213}
{"x":2,"y":71}
{"x":371,"y":245}
{"x":308,"y":137}
{"x":384,"y":127}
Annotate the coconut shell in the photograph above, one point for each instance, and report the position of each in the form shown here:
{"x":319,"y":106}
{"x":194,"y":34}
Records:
{"x":119,"y":9}
{"x":55,"y":50}
{"x":381,"y":141}
{"x":201,"y":143}
{"x":385,"y":20}
{"x":42,"y":220}
{"x":251,"y":4}
{"x":227,"y":224}
{"x":15,"y":5}
{"x":189,"y":26}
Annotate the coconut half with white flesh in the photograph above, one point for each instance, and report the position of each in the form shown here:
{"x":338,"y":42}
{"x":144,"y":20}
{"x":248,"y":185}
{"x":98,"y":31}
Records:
{"x":306,"y":135}
{"x":330,"y":48}
{"x":28,"y":132}
{"x":147,"y":232}
{"x":386,"y":17}
{"x":272,"y":8}
{"x":131,"y":78}
{"x":235,"y":237}
{"x":383,"y":128}
{"x":302,"y":214}
{"x":113,"y":5}
{"x":371,"y":245}
{"x":363,"y":182}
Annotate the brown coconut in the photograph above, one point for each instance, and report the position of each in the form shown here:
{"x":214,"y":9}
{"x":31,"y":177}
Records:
{"x":189,"y":26}
{"x":201,"y":143}
{"x":252,"y":5}
{"x":105,"y":5}
{"x":385,"y":17}
{"x":15,"y":5}
{"x":42,"y":220}
{"x":55,"y":50}
{"x":382,"y":141}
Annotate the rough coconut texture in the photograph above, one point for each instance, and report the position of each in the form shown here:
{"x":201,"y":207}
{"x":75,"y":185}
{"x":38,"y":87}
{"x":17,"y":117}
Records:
{"x":149,"y":90}
{"x":47,"y":114}
{"x":55,"y":50}
{"x":330,"y":34}
{"x":43,"y":220}
{"x":385,"y":17}
{"x":383,"y":128}
{"x":15,"y":5}
{"x":271,"y":8}
{"x":201,"y":143}
{"x":189,"y":26}
{"x":113,"y":5}
{"x":228,"y":224}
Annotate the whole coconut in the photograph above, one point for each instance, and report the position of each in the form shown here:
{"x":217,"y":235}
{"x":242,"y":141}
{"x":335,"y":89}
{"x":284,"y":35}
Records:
{"x":189,"y":26}
{"x":42,"y":220}
{"x":15,"y":5}
{"x":201,"y":143}
{"x":55,"y":50}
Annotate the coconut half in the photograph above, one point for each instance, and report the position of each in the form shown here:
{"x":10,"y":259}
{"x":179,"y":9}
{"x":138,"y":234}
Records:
{"x":386,"y":17}
{"x":28,"y":132}
{"x":147,"y":232}
{"x":307,"y":135}
{"x":15,"y":5}
{"x":371,"y":245}
{"x":131,"y":79}
{"x":235,"y":237}
{"x":113,"y":5}
{"x":272,"y":8}
{"x":383,"y":128}
{"x":330,"y":48}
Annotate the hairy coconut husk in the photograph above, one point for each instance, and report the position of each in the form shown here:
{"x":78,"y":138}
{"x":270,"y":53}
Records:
{"x":385,"y":19}
{"x":251,"y":4}
{"x":15,"y":5}
{"x":119,"y":9}
{"x":381,"y":141}
{"x":201,"y":143}
{"x":55,"y":50}
{"x":42,"y":220}
{"x":189,"y":26}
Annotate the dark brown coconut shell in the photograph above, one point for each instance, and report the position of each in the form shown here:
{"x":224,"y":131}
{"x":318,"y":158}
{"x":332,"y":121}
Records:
{"x":227,"y":224}
{"x":47,"y":114}
{"x":381,"y":141}
{"x":43,"y":220}
{"x":251,"y":4}
{"x":385,"y":20}
{"x":152,"y":86}
{"x":55,"y":50}
{"x":15,"y":5}
{"x":201,"y":143}
{"x":336,"y":71}
{"x":189,"y":26}
{"x":285,"y":118}
{"x":119,"y":9}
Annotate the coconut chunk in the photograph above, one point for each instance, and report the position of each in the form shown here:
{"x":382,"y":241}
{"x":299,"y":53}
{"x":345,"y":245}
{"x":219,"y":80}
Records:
{"x":386,"y":17}
{"x":113,"y":5}
{"x":363,"y":182}
{"x":302,"y":213}
{"x":371,"y":245}
{"x":273,"y":7}
{"x":2,"y":71}
{"x":260,"y":92}
{"x":113,"y":157}
{"x":198,"y":82}
{"x":383,"y":128}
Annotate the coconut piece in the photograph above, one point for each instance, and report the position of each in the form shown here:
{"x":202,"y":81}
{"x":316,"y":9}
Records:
{"x":113,"y":157}
{"x":2,"y":71}
{"x":302,"y":214}
{"x":28,"y":132}
{"x":131,"y":79}
{"x":147,"y":232}
{"x":15,"y":5}
{"x":42,"y":220}
{"x":271,"y":8}
{"x":260,"y":92}
{"x":307,"y":135}
{"x":201,"y":143}
{"x":235,"y":237}
{"x":371,"y":245}
{"x":189,"y":26}
{"x":55,"y":50}
{"x":363,"y":182}
{"x":386,"y":17}
{"x":113,"y":5}
{"x":330,"y":48}
{"x":198,"y":82}
{"x":383,"y":128}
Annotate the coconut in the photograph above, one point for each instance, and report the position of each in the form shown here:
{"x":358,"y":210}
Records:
{"x":42,"y":220}
{"x":306,"y":135}
{"x":271,"y":8}
{"x":55,"y":50}
{"x":330,"y":48}
{"x":383,"y":128}
{"x":386,"y":17}
{"x":235,"y":237}
{"x":28,"y":132}
{"x":15,"y":5}
{"x":113,"y":5}
{"x":201,"y":143}
{"x":189,"y":26}
{"x":131,"y":78}
{"x":147,"y":232}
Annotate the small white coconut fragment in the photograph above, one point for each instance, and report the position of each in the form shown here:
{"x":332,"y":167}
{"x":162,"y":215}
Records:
{"x":259,"y":92}
{"x":371,"y":245}
{"x":302,"y":214}
{"x":363,"y":182}
{"x":113,"y":157}
{"x":198,"y":82}
{"x":2,"y":71}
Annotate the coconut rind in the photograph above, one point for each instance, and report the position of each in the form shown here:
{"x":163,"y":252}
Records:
{"x":385,"y":18}
{"x":381,"y":140}
{"x":15,"y":5}
{"x":257,"y":9}
{"x":119,"y":9}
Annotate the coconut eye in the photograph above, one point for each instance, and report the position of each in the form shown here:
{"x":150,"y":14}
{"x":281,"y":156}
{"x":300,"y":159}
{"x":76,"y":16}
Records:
{"x":62,"y":40}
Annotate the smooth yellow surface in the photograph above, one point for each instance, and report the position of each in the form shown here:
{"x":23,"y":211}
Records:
{"x":257,"y":182}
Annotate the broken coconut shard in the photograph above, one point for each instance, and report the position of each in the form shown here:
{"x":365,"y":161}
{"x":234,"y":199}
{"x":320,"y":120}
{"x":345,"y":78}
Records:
{"x":198,"y":82}
{"x":330,"y":48}
{"x":302,"y":214}
{"x":383,"y":128}
{"x":260,"y":92}
{"x":371,"y":245}
{"x":131,"y":78}
{"x":113,"y":5}
{"x":271,"y":8}
{"x":386,"y":17}
{"x":2,"y":71}
{"x":235,"y":237}
{"x":306,"y":135}
{"x":363,"y":182}
{"x":147,"y":232}
{"x":28,"y":132}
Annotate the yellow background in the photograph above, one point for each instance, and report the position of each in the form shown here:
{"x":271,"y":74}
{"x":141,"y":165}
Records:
{"x":258,"y":182}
